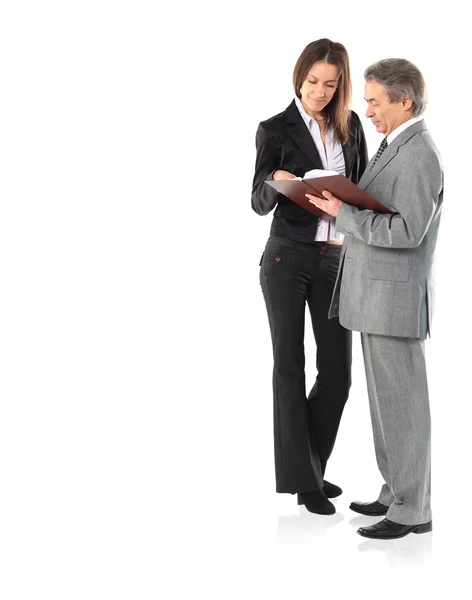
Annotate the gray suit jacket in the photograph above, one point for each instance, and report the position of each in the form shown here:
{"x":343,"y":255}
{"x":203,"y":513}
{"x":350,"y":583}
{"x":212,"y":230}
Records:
{"x":385,"y":282}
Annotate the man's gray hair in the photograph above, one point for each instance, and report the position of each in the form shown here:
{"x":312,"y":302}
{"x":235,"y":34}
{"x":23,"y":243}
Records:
{"x":400,"y":77}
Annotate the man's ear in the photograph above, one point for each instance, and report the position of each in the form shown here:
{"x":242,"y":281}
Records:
{"x":407,"y":103}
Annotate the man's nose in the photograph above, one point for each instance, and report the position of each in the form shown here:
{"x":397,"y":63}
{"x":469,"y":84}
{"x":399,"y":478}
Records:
{"x":369,"y":112}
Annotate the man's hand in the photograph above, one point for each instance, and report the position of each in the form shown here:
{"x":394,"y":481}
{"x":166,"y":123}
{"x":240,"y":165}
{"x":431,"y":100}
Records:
{"x":330,"y":206}
{"x":280,"y":175}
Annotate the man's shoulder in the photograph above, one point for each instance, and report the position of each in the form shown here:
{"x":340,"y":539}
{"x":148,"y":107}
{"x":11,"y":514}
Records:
{"x":421,"y":143}
{"x":426,"y":139}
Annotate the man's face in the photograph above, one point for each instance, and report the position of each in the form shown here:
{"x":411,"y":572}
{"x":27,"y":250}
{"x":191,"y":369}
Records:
{"x":385,"y":116}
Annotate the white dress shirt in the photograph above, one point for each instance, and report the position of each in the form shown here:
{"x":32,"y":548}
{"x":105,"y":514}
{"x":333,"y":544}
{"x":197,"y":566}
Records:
{"x":332,"y":159}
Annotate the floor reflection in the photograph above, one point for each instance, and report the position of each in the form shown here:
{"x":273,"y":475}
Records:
{"x":413,"y":550}
{"x":305,"y":534}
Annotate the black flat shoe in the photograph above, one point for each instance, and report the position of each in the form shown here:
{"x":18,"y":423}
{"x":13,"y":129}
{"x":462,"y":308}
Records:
{"x":388,"y":530}
{"x":330,"y":490}
{"x":371,"y":509}
{"x":316,"y":502}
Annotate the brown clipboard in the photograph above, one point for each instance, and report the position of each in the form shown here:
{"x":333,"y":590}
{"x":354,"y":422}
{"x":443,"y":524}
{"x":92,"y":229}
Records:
{"x":339,"y":185}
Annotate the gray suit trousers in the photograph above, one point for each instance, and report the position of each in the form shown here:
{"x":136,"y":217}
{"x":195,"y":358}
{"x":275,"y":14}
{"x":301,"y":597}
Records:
{"x":399,"y":405}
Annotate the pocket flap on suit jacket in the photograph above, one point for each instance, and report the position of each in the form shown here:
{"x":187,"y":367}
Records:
{"x":385,"y":271}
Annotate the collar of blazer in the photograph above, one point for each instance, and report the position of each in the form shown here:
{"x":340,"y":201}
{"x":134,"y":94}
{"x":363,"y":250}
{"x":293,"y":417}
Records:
{"x":299,"y":133}
{"x":390,"y":153}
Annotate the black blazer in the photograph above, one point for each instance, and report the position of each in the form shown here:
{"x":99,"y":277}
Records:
{"x":284,"y":142}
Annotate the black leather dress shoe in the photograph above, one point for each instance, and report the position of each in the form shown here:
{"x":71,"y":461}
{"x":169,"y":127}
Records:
{"x":388,"y":530}
{"x":371,"y":509}
{"x":330,"y":490}
{"x":316,"y":502}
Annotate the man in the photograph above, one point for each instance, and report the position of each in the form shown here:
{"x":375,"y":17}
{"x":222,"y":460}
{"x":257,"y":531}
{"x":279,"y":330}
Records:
{"x":385,"y":290}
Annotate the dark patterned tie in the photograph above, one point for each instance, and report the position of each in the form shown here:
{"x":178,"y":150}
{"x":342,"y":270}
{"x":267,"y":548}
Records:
{"x":382,"y":147}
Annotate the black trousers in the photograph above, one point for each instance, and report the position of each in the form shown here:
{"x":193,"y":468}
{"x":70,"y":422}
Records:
{"x":293,"y":274}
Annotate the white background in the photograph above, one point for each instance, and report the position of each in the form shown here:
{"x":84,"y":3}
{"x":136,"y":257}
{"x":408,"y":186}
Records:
{"x":136,"y":411}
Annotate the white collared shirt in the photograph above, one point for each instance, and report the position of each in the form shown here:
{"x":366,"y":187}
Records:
{"x":396,"y":132}
{"x":332,"y":159}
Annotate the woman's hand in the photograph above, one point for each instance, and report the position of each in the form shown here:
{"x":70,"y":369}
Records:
{"x":280,"y":175}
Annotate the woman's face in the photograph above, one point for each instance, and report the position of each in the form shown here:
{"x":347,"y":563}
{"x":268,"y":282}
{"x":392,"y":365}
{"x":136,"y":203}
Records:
{"x":319,"y":86}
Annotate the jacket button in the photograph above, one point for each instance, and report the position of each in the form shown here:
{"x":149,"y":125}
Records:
{"x":277,"y":259}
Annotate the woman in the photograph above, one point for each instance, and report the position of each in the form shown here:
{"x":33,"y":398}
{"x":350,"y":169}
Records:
{"x":299,"y":265}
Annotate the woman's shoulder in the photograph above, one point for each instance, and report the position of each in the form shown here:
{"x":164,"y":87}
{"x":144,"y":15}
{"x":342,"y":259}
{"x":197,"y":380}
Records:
{"x":275,"y":123}
{"x":354,"y":125}
{"x":354,"y":119}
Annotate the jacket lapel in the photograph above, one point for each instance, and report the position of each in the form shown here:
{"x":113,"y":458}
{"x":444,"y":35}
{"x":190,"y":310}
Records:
{"x":349,"y":151}
{"x":390,"y":153}
{"x":299,"y":133}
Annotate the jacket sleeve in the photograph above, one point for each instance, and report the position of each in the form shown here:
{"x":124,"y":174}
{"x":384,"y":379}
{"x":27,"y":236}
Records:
{"x":415,"y":195}
{"x":264,"y":198}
